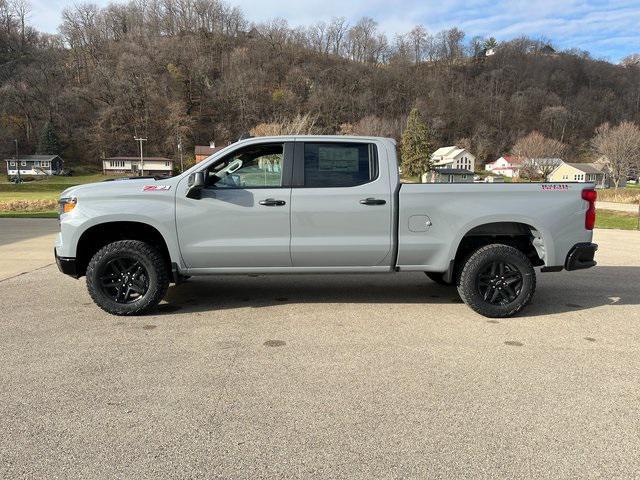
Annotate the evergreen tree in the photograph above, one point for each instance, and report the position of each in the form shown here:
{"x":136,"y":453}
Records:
{"x":415,"y":146}
{"x":49,"y":141}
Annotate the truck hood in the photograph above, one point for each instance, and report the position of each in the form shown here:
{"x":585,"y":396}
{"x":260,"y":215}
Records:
{"x":116,"y":186}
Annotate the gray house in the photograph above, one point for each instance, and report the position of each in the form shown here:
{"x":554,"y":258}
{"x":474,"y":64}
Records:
{"x":448,"y":175}
{"x":34,"y":165}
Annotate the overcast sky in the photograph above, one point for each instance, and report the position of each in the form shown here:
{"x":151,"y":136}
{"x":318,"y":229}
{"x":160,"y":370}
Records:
{"x":609,"y":30}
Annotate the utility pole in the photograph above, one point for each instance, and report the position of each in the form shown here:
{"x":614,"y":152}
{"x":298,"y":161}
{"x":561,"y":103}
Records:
{"x":139,"y":139}
{"x":17,"y":162}
{"x":180,"y":150}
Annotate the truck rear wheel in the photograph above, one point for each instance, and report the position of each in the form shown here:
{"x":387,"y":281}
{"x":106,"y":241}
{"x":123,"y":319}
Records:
{"x":497,"y":281}
{"x":127,"y":277}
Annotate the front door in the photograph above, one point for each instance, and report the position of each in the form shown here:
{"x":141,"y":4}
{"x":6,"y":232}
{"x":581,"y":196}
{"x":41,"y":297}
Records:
{"x":241,"y":220}
{"x":341,"y":206}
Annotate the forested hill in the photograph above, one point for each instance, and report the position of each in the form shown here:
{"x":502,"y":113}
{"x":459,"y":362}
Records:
{"x":197,"y":70}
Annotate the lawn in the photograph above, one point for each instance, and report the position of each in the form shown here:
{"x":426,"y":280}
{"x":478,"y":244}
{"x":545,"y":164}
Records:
{"x":618,"y":220}
{"x":38,"y":197}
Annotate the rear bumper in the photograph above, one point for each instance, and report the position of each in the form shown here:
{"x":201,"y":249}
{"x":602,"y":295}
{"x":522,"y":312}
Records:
{"x":66,"y":265}
{"x":581,"y":256}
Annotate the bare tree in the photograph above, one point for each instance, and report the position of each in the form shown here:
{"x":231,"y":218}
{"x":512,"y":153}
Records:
{"x":336,"y":32}
{"x":620,"y":148}
{"x":539,"y":154}
{"x":22,"y":9}
{"x":418,"y":40}
{"x":631,"y":60}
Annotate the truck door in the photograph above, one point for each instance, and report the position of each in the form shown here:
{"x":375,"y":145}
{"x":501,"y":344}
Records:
{"x":241,"y":219}
{"x":341,"y":205}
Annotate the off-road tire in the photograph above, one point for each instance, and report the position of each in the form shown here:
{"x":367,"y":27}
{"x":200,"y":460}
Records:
{"x":438,"y":277}
{"x":468,"y":285}
{"x":152,"y":261}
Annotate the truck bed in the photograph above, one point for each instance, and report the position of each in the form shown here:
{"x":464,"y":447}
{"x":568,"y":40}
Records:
{"x":433,"y":218}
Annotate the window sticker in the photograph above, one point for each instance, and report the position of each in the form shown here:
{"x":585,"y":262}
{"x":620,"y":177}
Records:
{"x":331,"y":159}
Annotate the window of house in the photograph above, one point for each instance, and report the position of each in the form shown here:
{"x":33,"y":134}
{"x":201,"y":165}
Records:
{"x":167,"y":164}
{"x":261,"y":167}
{"x":339,"y":164}
{"x":46,"y":164}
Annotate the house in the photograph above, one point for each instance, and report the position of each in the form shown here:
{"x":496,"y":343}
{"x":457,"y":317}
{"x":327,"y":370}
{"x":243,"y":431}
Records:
{"x":506,"y":165}
{"x":453,"y":157}
{"x":133,"y":166}
{"x":36,"y":165}
{"x":448,"y":175}
{"x":580,"y":172}
{"x":204,"y":151}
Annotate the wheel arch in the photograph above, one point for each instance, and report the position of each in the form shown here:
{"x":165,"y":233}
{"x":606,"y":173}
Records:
{"x":93,"y":238}
{"x":521,"y":233}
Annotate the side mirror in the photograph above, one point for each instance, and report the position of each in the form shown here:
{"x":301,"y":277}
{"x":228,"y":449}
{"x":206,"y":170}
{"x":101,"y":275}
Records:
{"x":196,"y":184}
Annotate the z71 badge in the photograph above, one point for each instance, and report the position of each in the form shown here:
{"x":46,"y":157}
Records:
{"x":155,"y":188}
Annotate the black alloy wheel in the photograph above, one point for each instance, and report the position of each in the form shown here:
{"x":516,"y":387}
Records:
{"x":124,"y":280}
{"x":499,"y":283}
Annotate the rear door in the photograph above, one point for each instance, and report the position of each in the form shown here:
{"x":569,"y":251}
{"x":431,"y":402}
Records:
{"x":340,"y":206}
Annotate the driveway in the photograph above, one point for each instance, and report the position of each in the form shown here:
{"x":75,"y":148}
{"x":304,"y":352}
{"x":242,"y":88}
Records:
{"x":323,"y":376}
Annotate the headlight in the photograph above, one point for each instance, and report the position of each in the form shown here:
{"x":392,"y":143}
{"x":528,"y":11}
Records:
{"x":67,"y":204}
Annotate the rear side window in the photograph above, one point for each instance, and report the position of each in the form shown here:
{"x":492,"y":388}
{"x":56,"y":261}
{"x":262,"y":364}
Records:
{"x":339,"y":164}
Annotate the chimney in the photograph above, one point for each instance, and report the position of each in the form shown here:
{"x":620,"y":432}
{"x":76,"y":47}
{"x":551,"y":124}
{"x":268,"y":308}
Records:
{"x":212,"y":144}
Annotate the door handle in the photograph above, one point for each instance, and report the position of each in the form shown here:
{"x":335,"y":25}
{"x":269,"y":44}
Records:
{"x":272,"y":202}
{"x":373,"y":201}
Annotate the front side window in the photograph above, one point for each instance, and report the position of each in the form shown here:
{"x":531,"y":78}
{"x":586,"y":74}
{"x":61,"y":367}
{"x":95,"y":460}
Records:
{"x":339,"y":164}
{"x":258,"y":166}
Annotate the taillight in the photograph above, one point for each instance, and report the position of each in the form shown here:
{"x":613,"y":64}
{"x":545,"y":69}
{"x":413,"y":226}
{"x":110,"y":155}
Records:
{"x":590,"y":217}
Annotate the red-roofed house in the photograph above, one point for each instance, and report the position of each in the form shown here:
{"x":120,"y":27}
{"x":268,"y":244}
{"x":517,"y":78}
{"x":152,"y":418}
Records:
{"x":506,"y":165}
{"x":205,"y":151}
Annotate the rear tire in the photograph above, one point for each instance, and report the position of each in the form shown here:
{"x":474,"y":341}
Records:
{"x":438,"y":277}
{"x":497,"y":281}
{"x":127,"y":277}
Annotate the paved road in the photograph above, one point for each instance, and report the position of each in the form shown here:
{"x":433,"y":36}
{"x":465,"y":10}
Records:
{"x":620,"y":207}
{"x":25,"y":244}
{"x":326,"y":376}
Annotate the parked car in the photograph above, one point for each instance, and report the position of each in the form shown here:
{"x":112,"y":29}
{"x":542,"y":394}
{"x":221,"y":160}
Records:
{"x":319,"y":204}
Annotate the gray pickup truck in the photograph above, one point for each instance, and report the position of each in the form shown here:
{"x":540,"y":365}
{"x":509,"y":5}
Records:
{"x":319,"y":204}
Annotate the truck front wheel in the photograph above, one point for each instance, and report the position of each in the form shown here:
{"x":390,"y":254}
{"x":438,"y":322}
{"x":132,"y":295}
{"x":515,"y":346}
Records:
{"x":497,"y":281}
{"x":127,"y":277}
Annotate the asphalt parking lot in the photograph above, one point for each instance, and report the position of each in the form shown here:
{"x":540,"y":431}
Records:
{"x":331,"y":376}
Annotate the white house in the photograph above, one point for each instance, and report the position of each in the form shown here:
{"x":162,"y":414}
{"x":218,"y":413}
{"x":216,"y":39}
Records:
{"x":506,"y":165}
{"x":453,"y":157}
{"x":36,"y":165}
{"x":133,"y":166}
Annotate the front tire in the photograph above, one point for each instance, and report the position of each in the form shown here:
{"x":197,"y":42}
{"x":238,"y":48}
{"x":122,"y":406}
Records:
{"x":127,"y":277}
{"x":497,"y":281}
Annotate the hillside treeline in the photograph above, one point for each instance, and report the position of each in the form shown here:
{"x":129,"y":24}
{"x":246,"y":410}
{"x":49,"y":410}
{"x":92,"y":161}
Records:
{"x":197,"y":70}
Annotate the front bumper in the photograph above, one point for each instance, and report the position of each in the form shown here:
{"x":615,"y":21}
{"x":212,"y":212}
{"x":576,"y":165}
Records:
{"x":66,"y":265}
{"x":581,"y":256}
